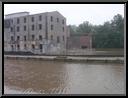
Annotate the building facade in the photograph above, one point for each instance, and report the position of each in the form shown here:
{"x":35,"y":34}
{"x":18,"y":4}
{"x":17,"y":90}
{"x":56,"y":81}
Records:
{"x":81,"y":41}
{"x":39,"y":33}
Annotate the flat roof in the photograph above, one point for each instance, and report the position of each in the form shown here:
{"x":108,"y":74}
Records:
{"x":16,"y":13}
{"x":31,"y":14}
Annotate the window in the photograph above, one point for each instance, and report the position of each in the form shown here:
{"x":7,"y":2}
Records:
{"x":25,"y":47}
{"x":7,"y":23}
{"x":51,"y":27}
{"x":12,"y":38}
{"x":40,"y":26}
{"x":41,"y":47}
{"x":40,"y":37}
{"x":11,"y":29}
{"x":63,"y":37}
{"x":18,"y":20}
{"x":51,"y":18}
{"x":18,"y":47}
{"x":18,"y":38}
{"x":33,"y":37}
{"x":57,"y":19}
{"x":51,"y":37}
{"x":24,"y":38}
{"x":24,"y":28}
{"x":32,"y":27}
{"x":62,"y":21}
{"x":63,"y":29}
{"x":40,"y":18}
{"x":18,"y":29}
{"x":25,"y":20}
{"x":12,"y":47}
{"x":33,"y":46}
{"x":58,"y":39}
{"x":32,"y":19}
{"x":11,"y":21}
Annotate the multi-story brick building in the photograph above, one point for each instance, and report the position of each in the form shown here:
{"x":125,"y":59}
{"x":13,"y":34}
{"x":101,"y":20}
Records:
{"x":38,"y":33}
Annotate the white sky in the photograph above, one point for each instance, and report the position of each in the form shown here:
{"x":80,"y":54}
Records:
{"x":75,"y":13}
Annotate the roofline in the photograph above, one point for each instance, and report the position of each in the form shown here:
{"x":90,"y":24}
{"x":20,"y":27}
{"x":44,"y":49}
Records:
{"x":59,"y":13}
{"x":35,"y":14}
{"x":16,"y":13}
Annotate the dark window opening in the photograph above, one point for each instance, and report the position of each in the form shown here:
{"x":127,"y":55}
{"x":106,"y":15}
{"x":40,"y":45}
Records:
{"x":24,"y":38}
{"x":32,"y":27}
{"x":33,"y":46}
{"x":63,"y":38}
{"x":51,"y":18}
{"x":57,"y":19}
{"x":62,"y":21}
{"x":41,"y":47}
{"x":51,"y":37}
{"x":18,"y":38}
{"x":63,"y":29}
{"x":12,"y":38}
{"x":40,"y":37}
{"x":51,"y":27}
{"x":24,"y":28}
{"x":12,"y":21}
{"x":24,"y":20}
{"x":7,"y":23}
{"x":18,"y":47}
{"x":12,"y":47}
{"x":33,"y":37}
{"x":32,"y":19}
{"x":40,"y":26}
{"x":25,"y":46}
{"x":18,"y":29}
{"x":11,"y":29}
{"x":18,"y":20}
{"x":40,"y":18}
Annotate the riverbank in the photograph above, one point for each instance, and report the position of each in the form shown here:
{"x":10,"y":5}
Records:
{"x":69,"y":58}
{"x":75,"y":52}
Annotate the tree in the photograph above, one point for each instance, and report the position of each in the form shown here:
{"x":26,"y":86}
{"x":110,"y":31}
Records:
{"x":108,"y":35}
{"x":85,"y":27}
{"x":73,"y":29}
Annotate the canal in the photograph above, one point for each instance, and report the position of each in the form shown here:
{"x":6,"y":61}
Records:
{"x":52,"y":77}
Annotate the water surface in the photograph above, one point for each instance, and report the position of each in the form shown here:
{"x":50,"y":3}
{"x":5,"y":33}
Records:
{"x":52,"y":77}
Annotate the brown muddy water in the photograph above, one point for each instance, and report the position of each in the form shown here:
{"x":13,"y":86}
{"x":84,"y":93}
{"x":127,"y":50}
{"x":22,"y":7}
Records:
{"x":51,"y":77}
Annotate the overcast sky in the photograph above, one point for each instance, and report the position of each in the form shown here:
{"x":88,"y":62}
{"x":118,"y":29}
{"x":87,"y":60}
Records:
{"x":75,"y":13}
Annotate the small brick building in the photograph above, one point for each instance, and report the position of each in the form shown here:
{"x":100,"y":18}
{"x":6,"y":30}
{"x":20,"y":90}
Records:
{"x":83,"y":41}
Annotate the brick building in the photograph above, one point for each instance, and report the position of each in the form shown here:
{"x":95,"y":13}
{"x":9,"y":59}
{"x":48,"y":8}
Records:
{"x":83,"y":41}
{"x":38,"y":33}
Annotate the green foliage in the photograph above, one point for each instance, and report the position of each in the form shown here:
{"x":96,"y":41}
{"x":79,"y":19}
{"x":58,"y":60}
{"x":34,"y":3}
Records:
{"x":86,"y":27}
{"x":108,"y":35}
{"x":73,"y":29}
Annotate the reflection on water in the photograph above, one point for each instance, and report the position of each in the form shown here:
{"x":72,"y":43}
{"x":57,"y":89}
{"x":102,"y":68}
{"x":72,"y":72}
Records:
{"x":63,"y":77}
